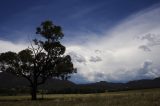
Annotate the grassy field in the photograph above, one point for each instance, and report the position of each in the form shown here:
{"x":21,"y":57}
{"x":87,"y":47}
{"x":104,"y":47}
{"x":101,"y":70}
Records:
{"x":150,"y":97}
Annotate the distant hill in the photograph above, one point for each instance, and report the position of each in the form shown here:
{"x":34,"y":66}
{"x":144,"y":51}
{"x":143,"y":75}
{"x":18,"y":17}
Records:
{"x":8,"y":80}
{"x":12,"y":84}
{"x":145,"y":83}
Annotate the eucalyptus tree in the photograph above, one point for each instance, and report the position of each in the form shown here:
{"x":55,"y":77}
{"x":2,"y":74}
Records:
{"x":44,"y":59}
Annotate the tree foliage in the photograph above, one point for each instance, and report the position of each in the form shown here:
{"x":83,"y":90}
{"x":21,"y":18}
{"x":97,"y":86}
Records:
{"x":44,"y":59}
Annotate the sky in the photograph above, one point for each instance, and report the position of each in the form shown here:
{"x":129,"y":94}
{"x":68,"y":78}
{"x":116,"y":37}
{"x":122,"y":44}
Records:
{"x":108,"y":40}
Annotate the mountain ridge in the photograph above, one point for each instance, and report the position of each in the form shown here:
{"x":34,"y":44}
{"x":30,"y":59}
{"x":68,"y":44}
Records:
{"x":9,"y":81}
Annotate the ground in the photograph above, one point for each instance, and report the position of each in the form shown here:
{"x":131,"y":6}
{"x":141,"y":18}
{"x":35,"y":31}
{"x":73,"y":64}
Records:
{"x":148,"y":97}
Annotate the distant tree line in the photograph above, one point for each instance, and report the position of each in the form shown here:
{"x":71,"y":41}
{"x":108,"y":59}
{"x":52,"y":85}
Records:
{"x":72,"y":90}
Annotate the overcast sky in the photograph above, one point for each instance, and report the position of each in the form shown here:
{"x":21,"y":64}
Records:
{"x":108,"y":40}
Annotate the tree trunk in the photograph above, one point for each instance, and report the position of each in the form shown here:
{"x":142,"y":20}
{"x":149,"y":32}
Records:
{"x":34,"y":92}
{"x":34,"y":85}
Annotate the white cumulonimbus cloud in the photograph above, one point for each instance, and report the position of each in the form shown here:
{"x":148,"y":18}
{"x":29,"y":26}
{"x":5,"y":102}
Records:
{"x":129,"y":51}
{"x":10,"y":46}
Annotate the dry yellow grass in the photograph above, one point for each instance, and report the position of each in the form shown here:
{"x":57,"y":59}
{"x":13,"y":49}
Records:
{"x":150,"y":97}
